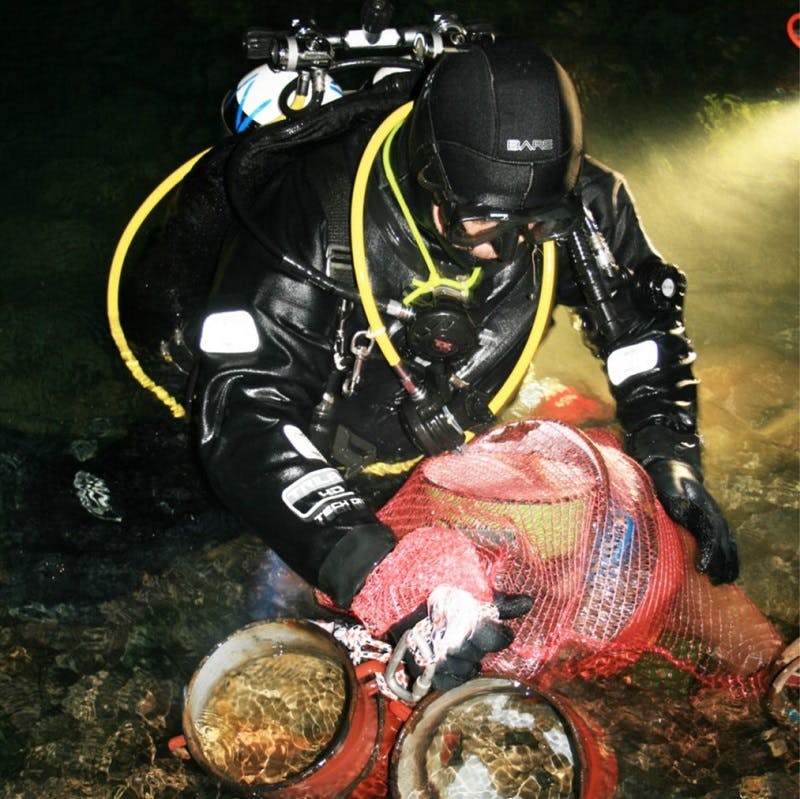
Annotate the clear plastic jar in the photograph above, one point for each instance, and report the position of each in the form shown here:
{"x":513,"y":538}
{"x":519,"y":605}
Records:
{"x":276,"y":710}
{"x":495,"y":738}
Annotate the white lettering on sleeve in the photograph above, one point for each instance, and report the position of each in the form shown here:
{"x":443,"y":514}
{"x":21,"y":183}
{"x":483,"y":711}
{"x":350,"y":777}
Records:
{"x":316,"y":490}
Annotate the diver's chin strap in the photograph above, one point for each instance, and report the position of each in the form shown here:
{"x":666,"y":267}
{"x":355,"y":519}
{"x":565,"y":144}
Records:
{"x":377,"y":329}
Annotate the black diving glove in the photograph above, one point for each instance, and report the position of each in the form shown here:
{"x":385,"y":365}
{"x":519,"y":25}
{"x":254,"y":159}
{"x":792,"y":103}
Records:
{"x":447,"y":638}
{"x":686,"y":500}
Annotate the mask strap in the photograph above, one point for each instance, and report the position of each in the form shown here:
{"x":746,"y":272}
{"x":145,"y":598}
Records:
{"x":435,"y":280}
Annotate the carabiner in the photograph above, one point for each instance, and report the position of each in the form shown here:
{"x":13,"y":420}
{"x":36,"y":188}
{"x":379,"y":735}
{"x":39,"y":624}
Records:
{"x":421,"y":686}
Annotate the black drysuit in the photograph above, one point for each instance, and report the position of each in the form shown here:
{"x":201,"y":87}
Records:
{"x":253,"y":408}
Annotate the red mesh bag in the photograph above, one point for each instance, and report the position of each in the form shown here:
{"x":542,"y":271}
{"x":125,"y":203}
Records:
{"x":564,"y":516}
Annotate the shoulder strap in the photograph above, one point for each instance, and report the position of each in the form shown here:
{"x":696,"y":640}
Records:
{"x":334,"y":188}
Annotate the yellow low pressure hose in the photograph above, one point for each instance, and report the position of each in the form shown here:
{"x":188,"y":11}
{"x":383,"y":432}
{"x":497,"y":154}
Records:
{"x":115,"y":273}
{"x":538,"y":329}
{"x":118,"y":262}
{"x":376,"y":325}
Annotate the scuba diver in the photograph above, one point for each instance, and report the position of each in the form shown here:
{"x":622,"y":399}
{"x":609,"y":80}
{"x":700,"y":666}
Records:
{"x":462,"y":197}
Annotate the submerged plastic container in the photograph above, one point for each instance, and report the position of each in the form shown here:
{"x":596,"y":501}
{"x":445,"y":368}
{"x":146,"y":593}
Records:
{"x":277,"y":710}
{"x":498,"y":738}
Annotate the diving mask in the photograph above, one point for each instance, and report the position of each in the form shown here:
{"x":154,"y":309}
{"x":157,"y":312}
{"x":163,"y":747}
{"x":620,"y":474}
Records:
{"x":469,"y":227}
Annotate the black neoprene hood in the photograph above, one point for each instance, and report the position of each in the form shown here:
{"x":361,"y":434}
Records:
{"x":497,"y":127}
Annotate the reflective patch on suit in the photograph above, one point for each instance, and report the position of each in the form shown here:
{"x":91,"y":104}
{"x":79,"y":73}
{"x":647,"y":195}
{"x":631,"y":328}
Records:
{"x":320,"y":495}
{"x":302,"y":446}
{"x":229,"y":332}
{"x":629,"y":361}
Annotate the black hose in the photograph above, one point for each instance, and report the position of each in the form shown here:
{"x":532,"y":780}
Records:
{"x":313,"y":104}
{"x":286,"y":264}
{"x":280,"y":137}
{"x":375,"y":62}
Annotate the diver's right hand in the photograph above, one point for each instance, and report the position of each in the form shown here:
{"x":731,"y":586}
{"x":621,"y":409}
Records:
{"x":445,"y":643}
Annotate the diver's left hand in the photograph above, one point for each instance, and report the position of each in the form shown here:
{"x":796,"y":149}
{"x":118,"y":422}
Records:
{"x":686,"y":500}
